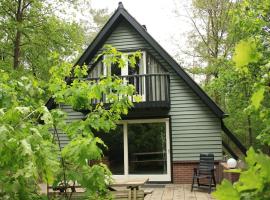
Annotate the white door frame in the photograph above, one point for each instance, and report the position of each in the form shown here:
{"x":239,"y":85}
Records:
{"x":152,"y":177}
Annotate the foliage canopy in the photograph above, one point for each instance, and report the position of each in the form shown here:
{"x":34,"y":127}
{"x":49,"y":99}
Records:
{"x":29,"y":151}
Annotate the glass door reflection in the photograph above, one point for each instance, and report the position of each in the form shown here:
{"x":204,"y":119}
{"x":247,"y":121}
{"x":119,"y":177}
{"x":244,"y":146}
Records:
{"x":147,"y":148}
{"x":114,"y":155}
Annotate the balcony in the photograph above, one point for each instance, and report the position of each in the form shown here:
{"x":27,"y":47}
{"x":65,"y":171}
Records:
{"x":153,"y":88}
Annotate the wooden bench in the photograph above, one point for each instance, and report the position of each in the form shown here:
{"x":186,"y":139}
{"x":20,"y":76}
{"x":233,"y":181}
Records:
{"x":123,"y":194}
{"x":125,"y":189}
{"x":127,"y":195}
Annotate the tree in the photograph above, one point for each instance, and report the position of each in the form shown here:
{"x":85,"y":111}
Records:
{"x":209,"y":41}
{"x":251,"y":58}
{"x":216,"y":32}
{"x":27,"y":151}
{"x":250,"y":22}
{"x":27,"y":146}
{"x":33,"y":31}
{"x":84,"y":145}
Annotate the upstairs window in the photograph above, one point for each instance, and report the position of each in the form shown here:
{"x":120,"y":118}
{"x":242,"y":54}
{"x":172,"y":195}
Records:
{"x":147,"y":64}
{"x":127,"y":70}
{"x":130,"y":74}
{"x":148,"y":76}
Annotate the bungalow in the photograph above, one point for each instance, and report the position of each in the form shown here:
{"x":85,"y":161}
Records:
{"x":162,"y":136}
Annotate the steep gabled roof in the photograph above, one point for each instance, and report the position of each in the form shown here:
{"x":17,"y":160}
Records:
{"x":115,"y":19}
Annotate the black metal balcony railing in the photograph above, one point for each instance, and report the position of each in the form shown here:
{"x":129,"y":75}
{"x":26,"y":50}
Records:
{"x":153,"y":88}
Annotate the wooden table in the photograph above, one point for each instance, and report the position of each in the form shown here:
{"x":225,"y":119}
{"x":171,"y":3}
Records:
{"x":129,"y":183}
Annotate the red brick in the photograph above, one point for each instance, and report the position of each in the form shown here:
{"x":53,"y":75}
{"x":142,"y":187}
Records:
{"x":183,"y":171}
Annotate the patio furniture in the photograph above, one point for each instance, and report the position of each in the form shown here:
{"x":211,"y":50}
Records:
{"x":133,"y":185}
{"x":131,"y":190}
{"x":205,"y":171}
{"x":127,"y":194}
{"x":71,"y":190}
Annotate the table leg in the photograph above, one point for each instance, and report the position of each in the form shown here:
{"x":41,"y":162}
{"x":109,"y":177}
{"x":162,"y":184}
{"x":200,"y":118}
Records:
{"x":134,"y":193}
{"x":129,"y":194}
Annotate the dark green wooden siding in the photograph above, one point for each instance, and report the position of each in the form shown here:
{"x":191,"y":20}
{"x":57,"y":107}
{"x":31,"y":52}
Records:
{"x":194,"y":127}
{"x":71,"y":116}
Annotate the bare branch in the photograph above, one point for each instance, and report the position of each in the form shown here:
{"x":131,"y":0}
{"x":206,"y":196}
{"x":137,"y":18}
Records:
{"x":199,"y":32}
{"x":26,"y":6}
{"x":190,"y":54}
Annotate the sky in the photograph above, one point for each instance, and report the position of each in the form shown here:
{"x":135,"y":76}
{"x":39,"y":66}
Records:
{"x":163,"y":23}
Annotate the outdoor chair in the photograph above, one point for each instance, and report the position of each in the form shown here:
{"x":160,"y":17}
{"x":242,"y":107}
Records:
{"x":205,"y":171}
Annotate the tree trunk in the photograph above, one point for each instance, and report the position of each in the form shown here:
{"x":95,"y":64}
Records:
{"x":208,"y":75}
{"x":17,"y":50}
{"x":17,"y":41}
{"x":249,"y":131}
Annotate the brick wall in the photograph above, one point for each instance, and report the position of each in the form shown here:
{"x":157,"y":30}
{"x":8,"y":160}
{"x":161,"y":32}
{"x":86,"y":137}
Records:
{"x":231,"y":176}
{"x":183,"y":171}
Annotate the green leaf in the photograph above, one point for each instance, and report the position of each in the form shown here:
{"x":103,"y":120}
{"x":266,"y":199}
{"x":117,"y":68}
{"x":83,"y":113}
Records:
{"x":246,"y":52}
{"x":26,"y":147}
{"x":249,"y":180}
{"x":137,"y":98}
{"x":257,"y":97}
{"x":23,"y":110}
{"x":46,"y":115}
{"x":2,"y":111}
{"x":35,"y":131}
{"x":226,"y":191}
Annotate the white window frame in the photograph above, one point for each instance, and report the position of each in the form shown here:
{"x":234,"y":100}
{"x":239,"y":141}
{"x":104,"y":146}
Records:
{"x":152,"y":177}
{"x":124,"y":71}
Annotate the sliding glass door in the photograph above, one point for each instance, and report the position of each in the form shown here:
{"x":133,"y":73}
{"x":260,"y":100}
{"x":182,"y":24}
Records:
{"x":139,"y":148}
{"x":114,"y":154}
{"x":147,"y":148}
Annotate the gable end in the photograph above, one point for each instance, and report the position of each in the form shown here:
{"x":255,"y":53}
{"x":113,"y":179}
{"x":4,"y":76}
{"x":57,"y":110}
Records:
{"x":116,"y":18}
